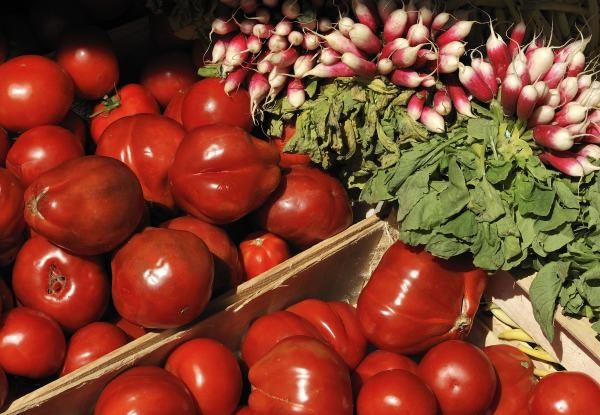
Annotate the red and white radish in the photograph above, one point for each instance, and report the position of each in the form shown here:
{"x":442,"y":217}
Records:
{"x":385,"y":8}
{"x":458,"y":31}
{"x":474,"y":84}
{"x":345,"y":24}
{"x":442,"y":104}
{"x":329,"y":56}
{"x":415,"y":104}
{"x":296,"y":94}
{"x":556,"y":74}
{"x":448,"y":63}
{"x":541,"y":115}
{"x":303,"y":64}
{"x":395,"y":25}
{"x":406,"y":57}
{"x":385,"y":66}
{"x":553,"y":137}
{"x":360,"y":66}
{"x":365,"y":14}
{"x":310,"y":41}
{"x":517,"y":35}
{"x":277,"y":43}
{"x":417,"y":34}
{"x":498,"y":53}
{"x":571,"y":113}
{"x":364,"y":39}
{"x":291,"y":9}
{"x":455,"y":48}
{"x":526,"y":102}
{"x":296,"y":38}
{"x":389,"y":48}
{"x":247,"y":26}
{"x":486,"y":72}
{"x":237,"y":51}
{"x":566,"y":164}
{"x":283,"y":28}
{"x":577,"y":64}
{"x":539,"y":63}
{"x":284,"y":58}
{"x":258,"y":88}
{"x":433,"y":121}
{"x":459,"y":98}
{"x":509,"y":93}
{"x":223,"y":27}
{"x":339,"y":69}
{"x":407,"y":78}
{"x":340,"y":43}
{"x":235,"y":79}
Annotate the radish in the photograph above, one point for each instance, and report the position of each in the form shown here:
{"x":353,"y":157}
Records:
{"x":458,"y":31}
{"x":415,"y":105}
{"x":426,"y":15}
{"x":296,"y":38}
{"x":329,"y":56}
{"x":448,"y":63}
{"x":553,"y":137}
{"x":283,"y":28}
{"x":442,"y":103}
{"x":486,"y":72}
{"x":553,"y":99}
{"x":567,"y":53}
{"x":541,"y":115}
{"x":385,"y":66}
{"x":385,"y":8}
{"x":509,"y":93}
{"x":360,"y":66}
{"x":459,"y":98}
{"x":455,"y":48}
{"x":223,"y":27}
{"x":577,"y":64}
{"x":262,"y":31}
{"x":567,"y":164}
{"x":594,"y":117}
{"x":590,"y":150}
{"x":264,"y":65}
{"x":278,"y":77}
{"x":519,"y":67}
{"x":310,"y":41}
{"x":428,"y":81}
{"x":555,"y":74}
{"x":425,"y":58}
{"x":365,"y":14}
{"x":344,"y":25}
{"x":418,"y":33}
{"x":247,"y":26}
{"x":325,"y":25}
{"x":588,"y":167}
{"x":248,"y":6}
{"x":405,"y":57}
{"x":516,"y":38}
{"x":539,"y":63}
{"x":439,"y":21}
{"x":584,"y":81}
{"x":498,"y":53}
{"x":578,"y":130}
{"x":395,"y":25}
{"x":474,"y":84}
{"x":412,"y":12}
{"x":262,"y":16}
{"x":291,"y":9}
{"x":219,"y":49}
{"x":433,"y":121}
{"x":284,"y":58}
{"x":340,"y":43}
{"x":542,"y":91}
{"x":526,"y":102}
{"x":295,"y":93}
{"x":237,"y":51}
{"x":277,"y":43}
{"x":273,"y":92}
{"x":389,"y":48}
{"x":258,"y":88}
{"x":572,"y":113}
{"x":270,"y":3}
{"x":254,"y":44}
{"x":592,"y":134}
{"x":303,"y":64}
{"x":406,"y":78}
{"x":339,"y":69}
{"x":365,"y":39}
{"x":235,"y":79}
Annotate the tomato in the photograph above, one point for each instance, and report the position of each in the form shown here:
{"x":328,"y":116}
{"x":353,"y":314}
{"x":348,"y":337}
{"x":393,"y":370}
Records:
{"x":3,"y":388}
{"x":207,"y":103}
{"x":12,"y":224}
{"x":211,"y":372}
{"x":87,"y":55}
{"x":77,"y":126}
{"x":130,"y":99}
{"x":132,"y":330}
{"x":147,"y":144}
{"x":60,"y":203}
{"x":145,"y":390}
{"x":336,"y":321}
{"x":168,"y":74}
{"x":461,"y":377}
{"x":90,"y":343}
{"x":32,"y":344}
{"x":33,"y":91}
{"x":4,"y":146}
{"x":228,"y":267}
{"x":261,"y":251}
{"x":41,"y":149}
{"x":308,"y":207}
{"x":222,"y":173}
{"x":380,"y":361}
{"x":6,"y":297}
{"x":289,"y":159}
{"x":162,"y":278}
{"x":414,"y":300}
{"x":50,"y":19}
{"x":244,"y":410}
{"x":568,"y":393}
{"x":173,"y":109}
{"x":106,"y":10}
{"x":300,"y":375}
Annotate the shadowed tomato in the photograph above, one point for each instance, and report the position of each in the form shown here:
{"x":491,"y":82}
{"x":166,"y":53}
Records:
{"x":132,"y":330}
{"x":60,"y":203}
{"x":414,"y":300}
{"x":211,"y":372}
{"x":12,"y":224}
{"x":33,"y":91}
{"x":308,"y":207}
{"x":87,"y":55}
{"x":338,"y":324}
{"x":162,"y":278}
{"x":221,"y":173}
{"x":289,"y":159}
{"x":568,"y":393}
{"x":261,"y":251}
{"x":4,"y":146}
{"x":207,"y":103}
{"x":72,"y":290}
{"x":173,"y":110}
{"x":3,"y":388}
{"x":380,"y":361}
{"x":228,"y":267}
{"x":300,"y":375}
{"x":168,"y":74}
{"x":145,"y":390}
{"x":77,"y":126}
{"x":147,"y":143}
{"x":90,"y":343}
{"x":130,"y":99}
{"x":41,"y":149}
{"x":6,"y":296}
{"x":461,"y":377}
{"x":32,"y":345}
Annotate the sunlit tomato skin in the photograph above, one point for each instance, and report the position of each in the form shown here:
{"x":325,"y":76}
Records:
{"x":32,"y":344}
{"x":336,"y":321}
{"x":145,"y":390}
{"x":289,"y":159}
{"x":173,"y":110}
{"x":207,"y":103}
{"x":414,"y":300}
{"x":41,"y":149}
{"x":379,"y":361}
{"x":33,"y":91}
{"x":73,"y":290}
{"x":461,"y":377}
{"x":88,"y":57}
{"x":568,"y":393}
{"x":168,"y":74}
{"x":261,"y":251}
{"x":162,"y":278}
{"x":222,"y":173}
{"x":4,"y":146}
{"x":77,"y":126}
{"x":60,"y":203}
{"x":12,"y":223}
{"x":147,"y":144}
{"x":211,"y":373}
{"x":300,"y":375}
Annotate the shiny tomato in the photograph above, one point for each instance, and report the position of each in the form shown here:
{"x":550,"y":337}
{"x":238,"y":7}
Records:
{"x":5,"y":143}
{"x":565,"y":393}
{"x":380,"y":361}
{"x":130,"y":99}
{"x":145,"y":390}
{"x":289,"y":159}
{"x":33,"y":91}
{"x":12,"y":224}
{"x":169,"y":74}
{"x":461,"y":377}
{"x":77,"y":126}
{"x":308,"y":207}
{"x":147,"y":143}
{"x":211,"y":372}
{"x":222,"y":173}
{"x":261,"y":251}
{"x":41,"y":149}
{"x":87,"y":55}
{"x":32,"y":344}
{"x":300,"y":375}
{"x":60,"y":203}
{"x":207,"y":103}
{"x":173,"y":109}
{"x":162,"y":278}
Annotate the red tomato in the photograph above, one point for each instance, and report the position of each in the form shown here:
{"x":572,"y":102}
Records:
{"x":222,"y":173}
{"x":568,"y":393}
{"x":4,"y":146}
{"x":90,"y":343}
{"x":289,"y":159}
{"x":308,"y":207}
{"x":77,"y":126}
{"x":207,"y":103}
{"x":61,"y":202}
{"x":12,"y":224}
{"x":72,"y":290}
{"x":162,"y":278}
{"x":32,"y":345}
{"x":211,"y":372}
{"x":173,"y":109}
{"x":380,"y":361}
{"x":132,"y":330}
{"x":33,"y":91}
{"x":244,"y":410}
{"x":338,"y":324}
{"x":300,"y":375}
{"x":145,"y":390}
{"x":392,"y":310}
{"x":50,"y":19}
{"x":130,"y":99}
{"x":396,"y":392}
{"x":461,"y":377}
{"x":3,"y":388}
{"x":261,"y":251}
{"x":87,"y":55}
{"x":169,"y":74}
{"x":41,"y":149}
{"x":147,"y":144}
